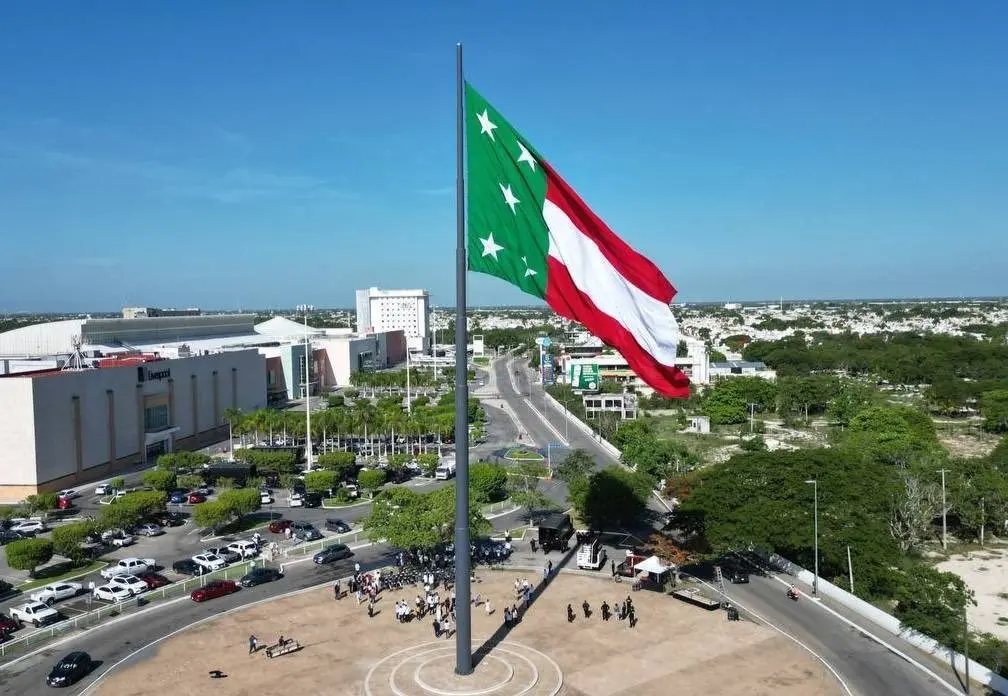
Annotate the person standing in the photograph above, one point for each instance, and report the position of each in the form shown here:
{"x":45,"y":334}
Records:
{"x":570,"y":614}
{"x":336,"y":590}
{"x":605,"y":611}
{"x":586,"y":608}
{"x":507,"y":616}
{"x":612,"y":566}
{"x":532,"y":543}
{"x":549,"y":568}
{"x":252,"y":644}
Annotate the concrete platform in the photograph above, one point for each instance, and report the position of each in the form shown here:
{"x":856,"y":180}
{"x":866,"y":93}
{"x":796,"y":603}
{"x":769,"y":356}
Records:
{"x":675,"y":648}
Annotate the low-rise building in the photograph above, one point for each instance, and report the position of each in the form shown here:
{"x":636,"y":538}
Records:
{"x":741,"y":368}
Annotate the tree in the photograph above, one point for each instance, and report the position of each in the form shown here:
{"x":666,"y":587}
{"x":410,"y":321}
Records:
{"x":160,"y":479}
{"x":371,"y":480}
{"x":67,"y":539}
{"x":428,"y":463}
{"x":894,"y":434}
{"x":321,"y":480}
{"x":488,"y":482}
{"x":615,"y":498}
{"x":409,"y":520}
{"x":577,"y":464}
{"x":189,"y":482}
{"x":240,"y":501}
{"x":28,"y":554}
{"x":725,"y":406}
{"x":933,"y":602}
{"x":913,"y":510}
{"x":523,"y":487}
{"x":130,"y":508}
{"x":118,"y":483}
{"x":850,"y":399}
{"x":339,"y":462}
{"x":211,"y":515}
{"x":753,"y":444}
{"x":994,"y":409}
{"x":41,"y":502}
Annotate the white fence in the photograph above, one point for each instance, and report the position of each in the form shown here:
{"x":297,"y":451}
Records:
{"x":891,"y":624}
{"x":94,"y":617}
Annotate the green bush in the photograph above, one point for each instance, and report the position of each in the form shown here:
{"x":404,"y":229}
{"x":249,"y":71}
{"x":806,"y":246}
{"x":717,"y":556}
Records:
{"x":340,"y":462}
{"x":428,"y":463}
{"x":488,"y":481}
{"x":67,"y":539}
{"x":322,"y":480}
{"x":371,"y":479}
{"x":131,"y":508}
{"x":41,"y":502}
{"x":269,"y":461}
{"x":28,"y":554}
{"x":118,"y":483}
{"x":160,"y":479}
{"x":240,"y":501}
{"x":190,"y":482}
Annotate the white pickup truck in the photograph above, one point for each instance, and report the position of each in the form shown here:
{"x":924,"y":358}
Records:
{"x":445,"y":472}
{"x":129,"y":566}
{"x":35,"y":613}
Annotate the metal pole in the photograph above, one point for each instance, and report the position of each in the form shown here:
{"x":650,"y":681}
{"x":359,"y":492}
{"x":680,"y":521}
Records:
{"x":409,"y":402}
{"x":463,"y":633}
{"x":966,"y":647}
{"x":944,"y":508}
{"x":815,"y":516}
{"x":307,"y":377}
{"x":850,"y":570}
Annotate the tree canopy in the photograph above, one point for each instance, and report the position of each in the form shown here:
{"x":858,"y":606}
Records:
{"x":406,"y":519}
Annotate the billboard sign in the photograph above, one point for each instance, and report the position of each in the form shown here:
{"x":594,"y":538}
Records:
{"x":584,"y":377}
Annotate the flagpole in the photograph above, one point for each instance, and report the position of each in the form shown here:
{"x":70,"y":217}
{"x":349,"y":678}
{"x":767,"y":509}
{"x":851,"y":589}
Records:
{"x":463,"y":609}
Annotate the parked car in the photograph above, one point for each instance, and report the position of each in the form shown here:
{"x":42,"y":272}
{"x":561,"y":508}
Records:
{"x":265,"y":498}
{"x":7,"y":536}
{"x":196,"y":498}
{"x":129,"y":566}
{"x":9,"y":624}
{"x":333,"y":552}
{"x":50,"y":594}
{"x":213,"y":589}
{"x":169,"y":519}
{"x":64,"y":503}
{"x":131,"y":583}
{"x":244,"y":549}
{"x":118,"y":538}
{"x":225,"y":552}
{"x":178,"y":497}
{"x":257,"y":576}
{"x":279,"y":526}
{"x":311,"y":500}
{"x":155,"y":580}
{"x":28,"y":527}
{"x":295,"y":500}
{"x":187,"y":566}
{"x":70,"y":670}
{"x":209,"y":561}
{"x":103,"y":489}
{"x":336,"y":525}
{"x":35,"y":613}
{"x":5,"y":588}
{"x":149,"y":529}
{"x":111,"y":593}
{"x":738,"y":577}
{"x":308,"y":533}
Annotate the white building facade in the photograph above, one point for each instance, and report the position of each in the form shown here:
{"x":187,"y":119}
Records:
{"x":65,"y":428}
{"x":389,"y":310}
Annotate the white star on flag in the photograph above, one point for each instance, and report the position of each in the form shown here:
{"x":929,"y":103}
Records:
{"x":528,"y":271}
{"x":490,"y":247}
{"x":526,"y":156}
{"x":486,"y":125}
{"x":509,"y":196}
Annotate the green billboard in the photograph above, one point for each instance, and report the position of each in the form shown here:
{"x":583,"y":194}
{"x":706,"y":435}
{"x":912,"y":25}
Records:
{"x":584,"y":377}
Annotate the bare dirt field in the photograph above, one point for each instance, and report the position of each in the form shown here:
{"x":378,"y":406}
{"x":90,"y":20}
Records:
{"x":675,"y":648}
{"x":986,"y":573}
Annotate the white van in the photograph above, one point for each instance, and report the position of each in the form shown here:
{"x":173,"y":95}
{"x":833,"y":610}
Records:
{"x":296,"y":500}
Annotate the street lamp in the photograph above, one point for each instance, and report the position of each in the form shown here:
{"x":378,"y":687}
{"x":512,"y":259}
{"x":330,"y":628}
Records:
{"x":944,"y":510}
{"x":307,"y":366}
{"x":815,"y":517}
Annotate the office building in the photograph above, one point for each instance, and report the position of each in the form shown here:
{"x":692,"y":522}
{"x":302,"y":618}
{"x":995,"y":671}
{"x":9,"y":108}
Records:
{"x":396,"y":310}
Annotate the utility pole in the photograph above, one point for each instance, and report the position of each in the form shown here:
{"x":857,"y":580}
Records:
{"x":983,"y":522}
{"x":966,"y":646}
{"x":752,"y":414}
{"x":409,"y":402}
{"x":815,"y":517}
{"x":307,"y":365}
{"x":944,"y":510}
{"x":850,"y":570}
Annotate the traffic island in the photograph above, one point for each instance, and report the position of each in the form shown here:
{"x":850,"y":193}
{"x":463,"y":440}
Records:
{"x":673,"y":649}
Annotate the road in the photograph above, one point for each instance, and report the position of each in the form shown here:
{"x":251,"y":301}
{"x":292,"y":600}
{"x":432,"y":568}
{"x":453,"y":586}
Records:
{"x":868,"y":668}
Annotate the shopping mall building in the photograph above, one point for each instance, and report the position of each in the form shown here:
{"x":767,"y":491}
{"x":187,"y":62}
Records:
{"x":83,"y":399}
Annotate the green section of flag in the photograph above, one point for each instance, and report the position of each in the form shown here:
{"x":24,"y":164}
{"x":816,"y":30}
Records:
{"x":506,"y":188}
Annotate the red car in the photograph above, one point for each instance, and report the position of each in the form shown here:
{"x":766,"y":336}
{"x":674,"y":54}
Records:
{"x":64,"y":503}
{"x":154,"y":580}
{"x":279,"y":526}
{"x":9,"y":625}
{"x":213,"y":589}
{"x":195,"y":498}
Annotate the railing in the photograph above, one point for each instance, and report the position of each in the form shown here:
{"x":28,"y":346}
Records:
{"x":502,"y":506}
{"x":96,"y":616}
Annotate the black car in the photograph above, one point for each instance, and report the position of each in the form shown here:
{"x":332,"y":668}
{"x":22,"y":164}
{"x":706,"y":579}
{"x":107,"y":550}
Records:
{"x":70,"y":669}
{"x":257,"y":576}
{"x":308,"y":533}
{"x":333,"y":552}
{"x":335,"y":525}
{"x":311,"y":500}
{"x":7,"y":536}
{"x":169,"y":519}
{"x":187,"y":566}
{"x":738,"y":577}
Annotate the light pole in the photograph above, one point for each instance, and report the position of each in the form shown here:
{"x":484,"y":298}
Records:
{"x":307,"y":371}
{"x":752,"y":415}
{"x":944,"y":510}
{"x":815,"y":517}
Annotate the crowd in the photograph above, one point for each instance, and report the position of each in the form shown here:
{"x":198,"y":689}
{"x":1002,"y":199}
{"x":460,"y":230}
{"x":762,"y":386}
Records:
{"x":623,"y":611}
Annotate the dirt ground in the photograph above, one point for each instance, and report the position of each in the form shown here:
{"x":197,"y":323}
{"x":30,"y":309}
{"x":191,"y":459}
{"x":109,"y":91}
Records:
{"x":986,"y":573}
{"x":675,"y":648}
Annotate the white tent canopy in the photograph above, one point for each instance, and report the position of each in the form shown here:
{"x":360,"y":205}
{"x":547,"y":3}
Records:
{"x":652,"y":565}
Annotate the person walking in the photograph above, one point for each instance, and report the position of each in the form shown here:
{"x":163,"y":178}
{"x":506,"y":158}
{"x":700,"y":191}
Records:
{"x":507,"y":616}
{"x":605,"y":611}
{"x":612,"y":566}
{"x":532,"y":543}
{"x":570,"y":614}
{"x":586,"y":608}
{"x":549,"y":568}
{"x":336,"y":590}
{"x":252,"y":644}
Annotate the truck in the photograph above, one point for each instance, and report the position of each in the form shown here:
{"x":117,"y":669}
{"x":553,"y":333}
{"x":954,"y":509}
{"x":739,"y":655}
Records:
{"x":35,"y":613}
{"x":591,"y":555}
{"x":555,"y":531}
{"x":129,"y":566}
{"x":445,"y":471}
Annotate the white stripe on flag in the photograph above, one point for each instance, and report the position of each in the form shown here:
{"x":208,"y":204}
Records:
{"x":648,"y":319}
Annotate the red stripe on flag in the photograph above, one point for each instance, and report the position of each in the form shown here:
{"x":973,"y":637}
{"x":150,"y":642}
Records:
{"x":631,"y":265}
{"x":567,"y":300}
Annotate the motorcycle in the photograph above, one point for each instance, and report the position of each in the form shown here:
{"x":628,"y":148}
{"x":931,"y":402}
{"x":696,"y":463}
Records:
{"x":792,"y":594}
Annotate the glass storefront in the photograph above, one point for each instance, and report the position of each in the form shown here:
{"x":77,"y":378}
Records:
{"x":156,"y":418}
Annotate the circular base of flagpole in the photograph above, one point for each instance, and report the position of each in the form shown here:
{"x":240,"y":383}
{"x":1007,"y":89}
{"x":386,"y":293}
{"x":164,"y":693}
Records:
{"x":429,"y":669}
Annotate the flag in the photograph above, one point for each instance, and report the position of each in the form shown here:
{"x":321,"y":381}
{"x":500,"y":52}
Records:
{"x":528,"y":227}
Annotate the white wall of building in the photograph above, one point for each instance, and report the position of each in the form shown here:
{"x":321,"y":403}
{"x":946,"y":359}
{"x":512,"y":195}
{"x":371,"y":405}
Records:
{"x":390,"y":310}
{"x":17,"y":432}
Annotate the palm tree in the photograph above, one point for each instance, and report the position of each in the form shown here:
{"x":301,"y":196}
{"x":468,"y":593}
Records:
{"x":234,"y":417}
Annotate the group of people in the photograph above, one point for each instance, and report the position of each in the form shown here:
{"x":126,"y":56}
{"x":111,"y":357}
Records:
{"x":623,"y":611}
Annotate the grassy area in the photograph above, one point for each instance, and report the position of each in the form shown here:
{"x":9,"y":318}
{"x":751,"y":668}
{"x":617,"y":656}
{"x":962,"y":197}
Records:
{"x":333,"y":503}
{"x":60,"y":571}
{"x":524,"y":454}
{"x":481,"y":361}
{"x":249,"y":523}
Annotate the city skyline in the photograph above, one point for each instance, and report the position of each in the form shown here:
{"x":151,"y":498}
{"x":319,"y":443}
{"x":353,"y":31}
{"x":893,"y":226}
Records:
{"x":814,"y":152}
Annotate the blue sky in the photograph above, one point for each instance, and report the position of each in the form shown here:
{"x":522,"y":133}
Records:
{"x":251,"y":154}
